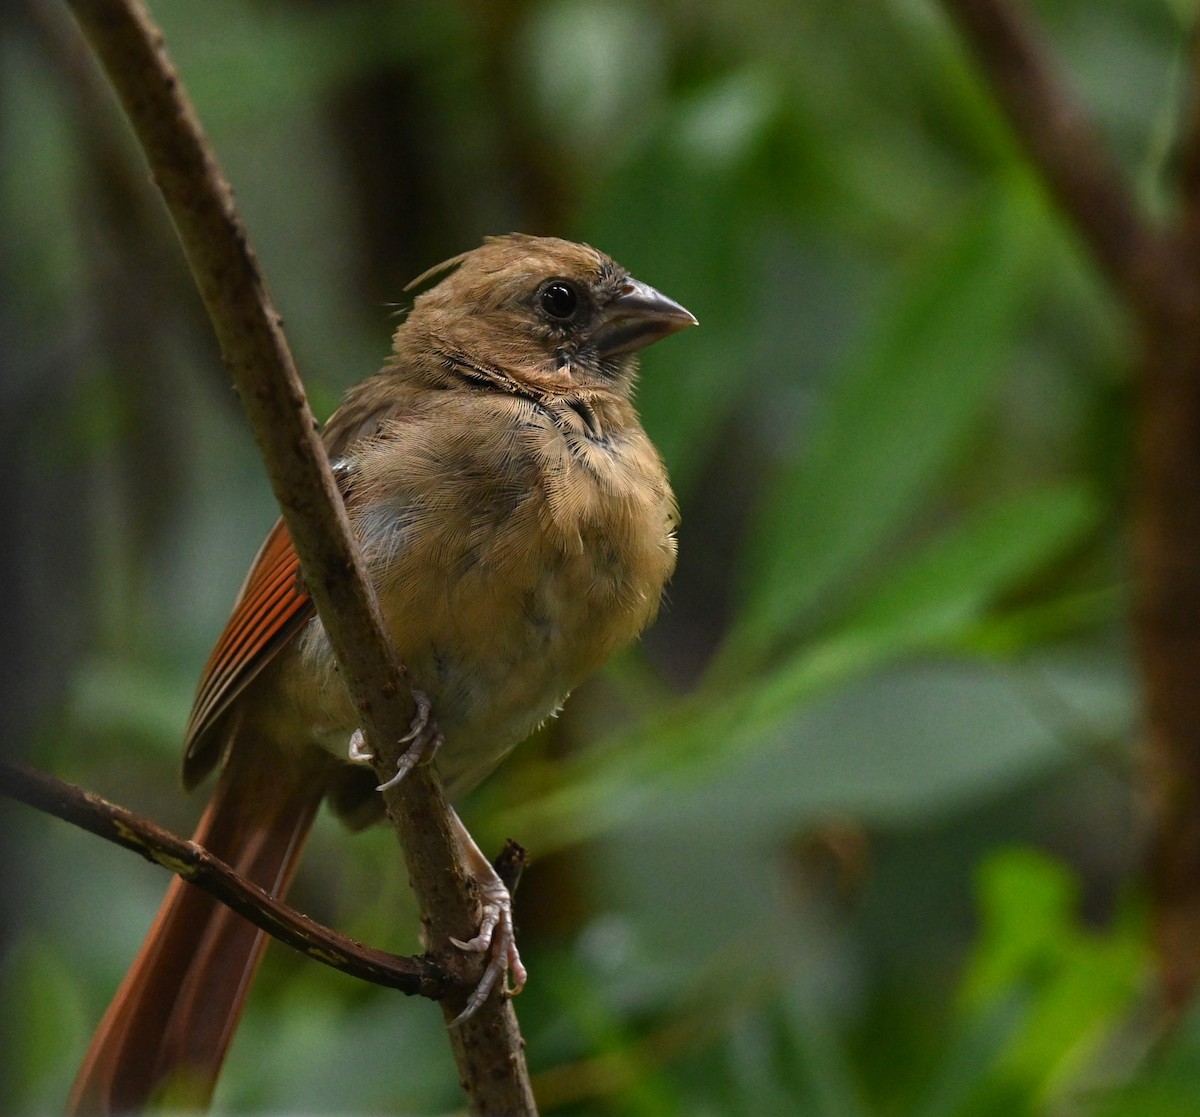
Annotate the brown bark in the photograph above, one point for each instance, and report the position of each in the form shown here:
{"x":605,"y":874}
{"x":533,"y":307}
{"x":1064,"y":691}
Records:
{"x":488,"y":1048}
{"x":414,"y":976}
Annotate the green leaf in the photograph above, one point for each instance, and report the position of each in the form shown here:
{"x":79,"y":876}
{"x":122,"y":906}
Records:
{"x":1079,"y":983}
{"x":930,"y":603}
{"x":895,"y":416}
{"x":48,"y":1022}
{"x":946,"y":586}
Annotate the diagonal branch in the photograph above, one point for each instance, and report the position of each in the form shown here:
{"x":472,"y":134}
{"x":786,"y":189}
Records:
{"x":488,"y":1048}
{"x":414,"y":976}
{"x":1067,"y":150}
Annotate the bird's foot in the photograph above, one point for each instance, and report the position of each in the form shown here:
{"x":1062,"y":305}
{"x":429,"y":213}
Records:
{"x":497,"y":935}
{"x":423,"y":740}
{"x":497,"y":938}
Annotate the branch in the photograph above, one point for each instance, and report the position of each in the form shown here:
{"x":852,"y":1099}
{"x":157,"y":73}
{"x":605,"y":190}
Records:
{"x":1189,"y":158}
{"x":488,"y":1047}
{"x":1066,"y":148}
{"x":113,"y":823}
{"x":1158,"y":275}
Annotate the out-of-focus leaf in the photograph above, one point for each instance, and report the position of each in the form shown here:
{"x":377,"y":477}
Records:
{"x":962,"y":1074}
{"x":1079,"y":982}
{"x":894,"y":417}
{"x":45,"y":1019}
{"x":1162,"y":1086}
{"x":1027,"y":902}
{"x":630,"y":1074}
{"x":835,"y":1093}
{"x":943,"y":588}
{"x":1046,"y":622}
{"x":935,"y":597}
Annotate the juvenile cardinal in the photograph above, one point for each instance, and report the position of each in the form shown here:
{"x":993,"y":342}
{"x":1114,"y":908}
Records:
{"x":518,"y":527}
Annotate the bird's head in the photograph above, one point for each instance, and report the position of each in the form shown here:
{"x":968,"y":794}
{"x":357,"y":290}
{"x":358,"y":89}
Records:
{"x":547,"y":313}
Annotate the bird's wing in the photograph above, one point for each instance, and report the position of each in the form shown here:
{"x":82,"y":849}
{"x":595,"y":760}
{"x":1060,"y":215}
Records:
{"x":272,"y":607}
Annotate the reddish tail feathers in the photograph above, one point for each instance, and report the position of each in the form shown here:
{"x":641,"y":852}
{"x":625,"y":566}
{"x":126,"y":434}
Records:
{"x":169,"y":1025}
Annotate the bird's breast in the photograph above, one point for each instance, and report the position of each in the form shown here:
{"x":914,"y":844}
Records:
{"x":513,"y":551}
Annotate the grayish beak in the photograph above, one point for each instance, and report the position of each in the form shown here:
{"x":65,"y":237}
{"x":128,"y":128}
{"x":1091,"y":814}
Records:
{"x":637,"y":317}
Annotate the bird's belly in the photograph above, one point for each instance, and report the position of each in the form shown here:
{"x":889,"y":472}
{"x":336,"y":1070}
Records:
{"x":504,"y":651}
{"x":495,"y":648}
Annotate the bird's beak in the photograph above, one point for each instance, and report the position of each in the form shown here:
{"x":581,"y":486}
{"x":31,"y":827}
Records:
{"x":638,"y":316}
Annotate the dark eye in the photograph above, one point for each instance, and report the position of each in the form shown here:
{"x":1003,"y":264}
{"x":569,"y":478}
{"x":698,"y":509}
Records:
{"x":559,"y":299}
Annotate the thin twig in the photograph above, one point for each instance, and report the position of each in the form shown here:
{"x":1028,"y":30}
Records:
{"x":1189,"y":157}
{"x":1066,"y":147}
{"x":488,"y":1047}
{"x":414,"y":976}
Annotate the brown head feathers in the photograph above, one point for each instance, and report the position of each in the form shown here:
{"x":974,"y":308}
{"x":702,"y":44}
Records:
{"x":536,"y":309}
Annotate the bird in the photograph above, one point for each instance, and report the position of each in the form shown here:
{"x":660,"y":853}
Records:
{"x":518,"y":527}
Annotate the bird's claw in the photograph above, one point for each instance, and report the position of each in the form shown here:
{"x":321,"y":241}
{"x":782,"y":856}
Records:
{"x":423,"y":740}
{"x":358,"y":751}
{"x":497,"y":938}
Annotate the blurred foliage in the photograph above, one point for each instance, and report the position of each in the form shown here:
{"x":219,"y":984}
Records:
{"x":854,"y":831}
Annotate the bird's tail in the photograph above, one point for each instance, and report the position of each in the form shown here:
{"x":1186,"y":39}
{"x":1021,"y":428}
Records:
{"x":167,"y":1030}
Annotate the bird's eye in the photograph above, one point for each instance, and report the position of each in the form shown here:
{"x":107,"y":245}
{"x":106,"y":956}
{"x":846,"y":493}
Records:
{"x":559,"y":299}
